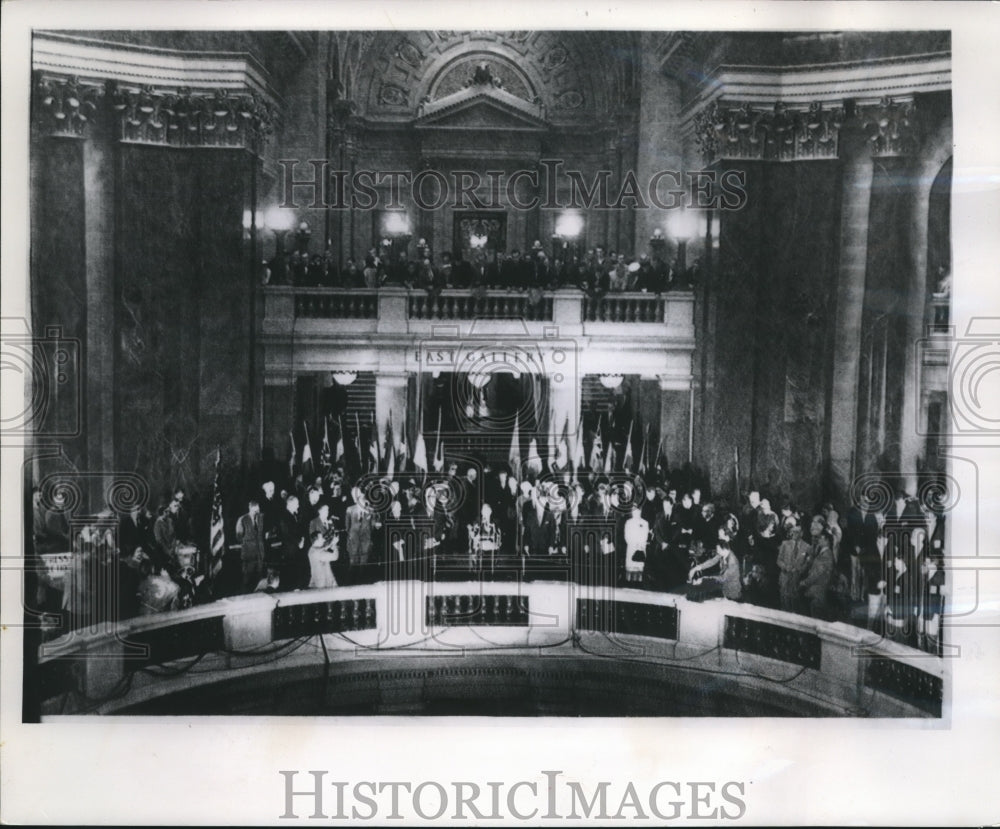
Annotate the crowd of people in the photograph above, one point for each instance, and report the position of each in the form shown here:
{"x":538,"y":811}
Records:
{"x":880,"y":568}
{"x":596,"y":272}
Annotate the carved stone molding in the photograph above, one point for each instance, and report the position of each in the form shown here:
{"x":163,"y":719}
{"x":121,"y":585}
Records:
{"x":782,"y":132}
{"x":149,"y":95}
{"x":777,"y":133}
{"x":892,"y":127}
{"x":187,"y":119}
{"x":64,"y":106}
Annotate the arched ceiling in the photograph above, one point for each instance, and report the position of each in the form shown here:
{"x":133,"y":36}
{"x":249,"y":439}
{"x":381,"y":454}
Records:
{"x":576,"y":77}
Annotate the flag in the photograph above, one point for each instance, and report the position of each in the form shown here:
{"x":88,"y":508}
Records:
{"x":324,"y":452}
{"x":357,"y":443}
{"x":291,"y":456}
{"x":627,"y":459}
{"x":551,"y":440}
{"x":534,"y":460}
{"x":340,"y":442}
{"x":402,"y":451}
{"x":218,"y":528}
{"x":597,"y":450}
{"x":373,"y":450}
{"x":307,"y":456}
{"x":643,"y":454}
{"x":420,"y":449}
{"x":562,"y":447}
{"x":390,"y":449}
{"x":661,"y":458}
{"x":515,"y":451}
{"x":579,"y":458}
{"x":438,"y":448}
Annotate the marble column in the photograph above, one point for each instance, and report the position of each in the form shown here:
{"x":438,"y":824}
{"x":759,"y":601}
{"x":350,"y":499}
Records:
{"x":937,"y":150}
{"x":658,"y":144}
{"x":675,"y":418}
{"x":99,"y":246}
{"x":854,"y":216}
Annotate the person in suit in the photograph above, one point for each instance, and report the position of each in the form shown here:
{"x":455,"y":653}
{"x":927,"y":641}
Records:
{"x":557,"y":527}
{"x":360,"y":525}
{"x":250,"y":535}
{"x":165,"y":534}
{"x":135,"y":530}
{"x":659,"y":570}
{"x":818,"y":571}
{"x":484,"y":539}
{"x":294,"y":556}
{"x":793,"y":556}
{"x":534,"y":538}
{"x":728,"y":576}
{"x":323,"y":549}
{"x":468,"y":512}
{"x":271,"y":510}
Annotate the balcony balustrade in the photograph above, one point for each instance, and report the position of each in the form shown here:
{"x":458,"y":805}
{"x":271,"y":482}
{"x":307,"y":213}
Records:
{"x":668,"y":314}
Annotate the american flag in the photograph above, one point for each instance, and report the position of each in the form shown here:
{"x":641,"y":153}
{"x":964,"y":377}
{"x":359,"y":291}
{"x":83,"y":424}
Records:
{"x":218,"y":530}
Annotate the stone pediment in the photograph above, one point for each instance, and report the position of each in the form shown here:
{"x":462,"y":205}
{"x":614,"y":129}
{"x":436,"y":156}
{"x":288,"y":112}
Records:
{"x":482,"y":107}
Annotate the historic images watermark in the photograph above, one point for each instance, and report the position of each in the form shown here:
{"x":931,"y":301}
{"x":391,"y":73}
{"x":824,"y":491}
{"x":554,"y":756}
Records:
{"x":316,"y":184}
{"x":310,"y":795}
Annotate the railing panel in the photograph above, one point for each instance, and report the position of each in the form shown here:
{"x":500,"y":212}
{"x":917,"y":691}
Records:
{"x":326,"y":304}
{"x":625,"y":308}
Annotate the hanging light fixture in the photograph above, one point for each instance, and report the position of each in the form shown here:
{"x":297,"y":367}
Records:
{"x":612,"y":381}
{"x":345,"y":378}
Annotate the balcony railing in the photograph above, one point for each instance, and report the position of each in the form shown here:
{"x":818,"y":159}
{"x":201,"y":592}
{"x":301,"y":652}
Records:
{"x":568,"y":307}
{"x":624,"y":308}
{"x":464,"y":306}
{"x":843,"y":670}
{"x":354,"y":305}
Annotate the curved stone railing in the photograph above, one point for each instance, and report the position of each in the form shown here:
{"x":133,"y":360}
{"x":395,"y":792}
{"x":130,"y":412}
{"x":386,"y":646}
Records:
{"x":336,"y":304}
{"x":632,"y":307}
{"x":569,"y":306}
{"x":462,"y":305}
{"x":787,"y":662}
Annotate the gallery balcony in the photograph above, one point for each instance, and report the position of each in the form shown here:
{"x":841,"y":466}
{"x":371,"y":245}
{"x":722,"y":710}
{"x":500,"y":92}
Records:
{"x":400,"y":313}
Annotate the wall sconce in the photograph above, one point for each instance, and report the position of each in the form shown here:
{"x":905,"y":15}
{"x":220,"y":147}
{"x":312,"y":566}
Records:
{"x":302,"y":235}
{"x":344,"y":378}
{"x":683,"y":227}
{"x":395,"y":223}
{"x":280,"y":221}
{"x":658,"y":245}
{"x":612,"y":381}
{"x":392,"y":229}
{"x":569,"y":225}
{"x":568,"y":229}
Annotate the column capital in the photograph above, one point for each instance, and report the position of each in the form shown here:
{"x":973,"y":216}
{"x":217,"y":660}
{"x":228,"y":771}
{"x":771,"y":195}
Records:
{"x":893,"y":127}
{"x":675,"y":382}
{"x":216,"y":118}
{"x":391,"y":379}
{"x":65,"y":106}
